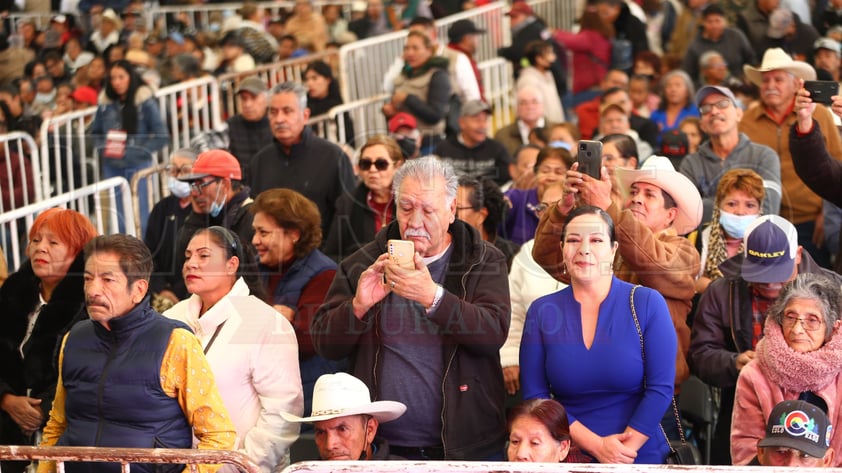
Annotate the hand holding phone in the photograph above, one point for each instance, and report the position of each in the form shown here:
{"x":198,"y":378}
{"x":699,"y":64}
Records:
{"x":590,"y":158}
{"x":821,"y":91}
{"x":402,"y":253}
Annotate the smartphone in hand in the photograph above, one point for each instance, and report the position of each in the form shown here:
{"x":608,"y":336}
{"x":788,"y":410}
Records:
{"x":590,"y":157}
{"x":402,"y":253}
{"x":821,"y":91}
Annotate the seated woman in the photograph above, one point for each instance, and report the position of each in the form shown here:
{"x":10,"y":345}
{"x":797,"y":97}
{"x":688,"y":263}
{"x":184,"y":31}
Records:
{"x":250,"y":347}
{"x":603,"y":348}
{"x":323,"y":94}
{"x":538,"y":432}
{"x":287,"y":233}
{"x":551,"y":167}
{"x":676,"y":101}
{"x":739,"y":198}
{"x":41,"y":301}
{"x":362,"y":213}
{"x":799,"y":357}
{"x":422,"y":89}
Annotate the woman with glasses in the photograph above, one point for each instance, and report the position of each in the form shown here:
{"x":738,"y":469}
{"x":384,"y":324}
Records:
{"x":250,"y":347}
{"x":551,"y":167}
{"x":362,"y":213}
{"x":799,"y":357}
{"x":296,"y":275}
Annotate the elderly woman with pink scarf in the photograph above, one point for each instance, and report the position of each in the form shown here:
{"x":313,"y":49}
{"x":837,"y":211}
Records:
{"x":799,"y":357}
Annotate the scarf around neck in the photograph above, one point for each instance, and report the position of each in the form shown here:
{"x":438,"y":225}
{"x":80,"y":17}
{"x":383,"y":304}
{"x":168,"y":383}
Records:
{"x":795,"y":371}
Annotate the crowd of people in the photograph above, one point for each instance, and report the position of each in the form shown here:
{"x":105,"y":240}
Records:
{"x":545,"y":314}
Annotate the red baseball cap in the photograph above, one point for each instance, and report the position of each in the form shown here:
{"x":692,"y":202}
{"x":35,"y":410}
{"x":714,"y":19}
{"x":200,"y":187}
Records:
{"x":215,"y":162}
{"x":402,"y":119}
{"x":84,"y":94}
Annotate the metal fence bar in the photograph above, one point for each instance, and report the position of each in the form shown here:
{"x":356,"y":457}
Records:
{"x":125,"y":456}
{"x":497,"y":83}
{"x":22,"y":173}
{"x":559,"y":14}
{"x":103,"y":213}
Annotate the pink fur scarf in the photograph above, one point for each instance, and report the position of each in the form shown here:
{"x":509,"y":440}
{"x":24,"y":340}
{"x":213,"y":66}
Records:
{"x":794,"y":371}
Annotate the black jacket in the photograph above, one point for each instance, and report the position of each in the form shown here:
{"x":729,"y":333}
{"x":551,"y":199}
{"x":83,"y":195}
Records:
{"x":37,"y":369}
{"x":165,"y":219}
{"x":473,"y":317}
{"x":246,"y":138}
{"x":353,"y":224}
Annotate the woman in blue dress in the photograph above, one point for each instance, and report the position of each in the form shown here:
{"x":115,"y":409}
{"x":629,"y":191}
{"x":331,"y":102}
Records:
{"x":676,"y":101}
{"x":581,"y":347}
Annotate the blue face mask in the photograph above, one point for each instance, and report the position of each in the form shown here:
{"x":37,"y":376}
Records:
{"x":735,"y":225}
{"x":216,"y":206}
{"x":178,"y":188}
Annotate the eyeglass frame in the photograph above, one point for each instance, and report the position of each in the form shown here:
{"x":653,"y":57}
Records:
{"x":365,"y":164}
{"x":719,"y":105}
{"x":198,"y":188}
{"x":788,"y":321}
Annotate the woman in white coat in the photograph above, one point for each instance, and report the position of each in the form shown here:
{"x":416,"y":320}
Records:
{"x":251,"y":347}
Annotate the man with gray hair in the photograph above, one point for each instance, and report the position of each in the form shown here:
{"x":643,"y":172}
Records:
{"x":426,"y":334}
{"x":299,"y":160}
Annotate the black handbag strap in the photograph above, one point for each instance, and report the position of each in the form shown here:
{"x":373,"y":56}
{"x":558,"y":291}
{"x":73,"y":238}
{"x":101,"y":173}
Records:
{"x":643,"y":356}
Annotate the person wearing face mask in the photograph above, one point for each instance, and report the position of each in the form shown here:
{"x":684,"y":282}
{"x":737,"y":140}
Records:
{"x":729,"y":318}
{"x":218,"y":198}
{"x":738,"y":199}
{"x":165,"y":219}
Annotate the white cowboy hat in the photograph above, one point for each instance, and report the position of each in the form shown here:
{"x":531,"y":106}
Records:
{"x":774,"y":59}
{"x":658,"y":171}
{"x":340,"y":395}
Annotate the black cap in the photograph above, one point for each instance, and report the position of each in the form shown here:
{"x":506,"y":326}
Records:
{"x":461,"y":28}
{"x":712,"y":9}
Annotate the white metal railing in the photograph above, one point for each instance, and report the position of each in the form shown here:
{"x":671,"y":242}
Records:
{"x":21,"y":163}
{"x":152,"y":178}
{"x":126,"y":456}
{"x":96,"y":201}
{"x":41,"y":20}
{"x":272,"y":74}
{"x":67,"y":155}
{"x":497,"y":83}
{"x":515,"y":467}
{"x":366,"y":116}
{"x":557,"y":14}
{"x":189,"y":109}
{"x":492,"y":18}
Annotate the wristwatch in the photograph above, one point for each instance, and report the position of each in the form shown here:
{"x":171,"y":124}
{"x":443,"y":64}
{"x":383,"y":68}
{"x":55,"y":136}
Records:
{"x":436,"y":300}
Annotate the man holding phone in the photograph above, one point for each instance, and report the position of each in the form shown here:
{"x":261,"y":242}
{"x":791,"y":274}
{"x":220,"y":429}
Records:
{"x":779,"y":78}
{"x":427,"y":336}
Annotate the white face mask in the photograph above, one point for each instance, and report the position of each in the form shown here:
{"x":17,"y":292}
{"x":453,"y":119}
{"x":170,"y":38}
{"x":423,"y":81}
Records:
{"x":45,"y":99}
{"x":178,"y":188}
{"x":216,"y":207}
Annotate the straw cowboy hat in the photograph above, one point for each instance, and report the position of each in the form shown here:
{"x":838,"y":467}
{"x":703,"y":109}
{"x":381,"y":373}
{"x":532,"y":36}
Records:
{"x":340,"y":395}
{"x":658,"y":171}
{"x":776,"y":59}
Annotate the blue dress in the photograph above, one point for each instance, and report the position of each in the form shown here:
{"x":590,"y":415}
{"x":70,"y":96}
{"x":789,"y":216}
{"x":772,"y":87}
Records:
{"x":660,"y":117}
{"x":602,"y":387}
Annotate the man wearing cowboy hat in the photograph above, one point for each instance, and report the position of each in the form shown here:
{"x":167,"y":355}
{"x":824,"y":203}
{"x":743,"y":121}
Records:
{"x":779,"y":77}
{"x":346,"y":420}
{"x":660,"y":205}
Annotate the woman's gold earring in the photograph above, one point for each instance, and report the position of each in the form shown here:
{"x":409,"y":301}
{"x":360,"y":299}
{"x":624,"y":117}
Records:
{"x":563,"y":268}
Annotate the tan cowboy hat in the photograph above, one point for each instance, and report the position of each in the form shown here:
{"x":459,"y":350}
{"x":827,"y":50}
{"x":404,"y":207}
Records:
{"x":658,"y":171}
{"x":340,"y":395}
{"x":774,"y":59}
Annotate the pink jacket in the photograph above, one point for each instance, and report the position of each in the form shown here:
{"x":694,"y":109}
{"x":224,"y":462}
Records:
{"x":778,"y":373}
{"x":591,"y":56}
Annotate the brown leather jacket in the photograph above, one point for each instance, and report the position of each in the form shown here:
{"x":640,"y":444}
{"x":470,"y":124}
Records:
{"x":664,"y":261}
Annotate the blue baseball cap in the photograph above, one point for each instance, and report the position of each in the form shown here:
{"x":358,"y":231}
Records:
{"x":770,"y":245}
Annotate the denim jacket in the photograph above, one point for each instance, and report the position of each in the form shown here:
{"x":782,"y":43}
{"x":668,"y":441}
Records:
{"x":151,"y":134}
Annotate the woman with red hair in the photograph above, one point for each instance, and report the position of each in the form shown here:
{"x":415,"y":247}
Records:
{"x":40,"y":302}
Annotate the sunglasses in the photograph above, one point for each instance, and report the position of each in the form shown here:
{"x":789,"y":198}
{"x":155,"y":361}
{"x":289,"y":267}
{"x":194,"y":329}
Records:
{"x":381,"y":164}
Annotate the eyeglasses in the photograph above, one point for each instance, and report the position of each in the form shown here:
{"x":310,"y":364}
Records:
{"x":174,"y":170}
{"x":720,"y":105}
{"x":811,"y":323}
{"x":381,"y":164}
{"x":197,"y":186}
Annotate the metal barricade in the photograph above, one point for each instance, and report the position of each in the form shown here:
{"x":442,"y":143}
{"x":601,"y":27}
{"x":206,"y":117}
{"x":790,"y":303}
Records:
{"x":520,"y":467}
{"x":272,"y":74}
{"x":67,"y":157}
{"x":363,"y":64}
{"x":21,"y":162}
{"x":557,"y":14}
{"x":96,"y":201}
{"x":188,"y":109}
{"x":152,"y":178}
{"x":41,"y":20}
{"x":497,"y":83}
{"x":125,"y":456}
{"x":366,"y":115}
